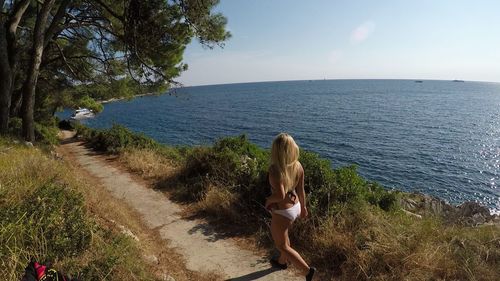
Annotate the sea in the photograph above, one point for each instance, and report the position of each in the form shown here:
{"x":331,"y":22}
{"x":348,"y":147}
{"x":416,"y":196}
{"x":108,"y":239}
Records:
{"x":436,"y":137}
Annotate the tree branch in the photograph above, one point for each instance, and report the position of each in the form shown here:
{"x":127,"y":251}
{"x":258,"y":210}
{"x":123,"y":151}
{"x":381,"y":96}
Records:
{"x":55,"y":22}
{"x":65,"y":60}
{"x":109,"y":10}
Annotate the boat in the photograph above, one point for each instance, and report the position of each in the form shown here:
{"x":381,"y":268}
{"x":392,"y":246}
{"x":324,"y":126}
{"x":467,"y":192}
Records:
{"x":458,"y":81}
{"x":419,"y":81}
{"x":82,"y":113}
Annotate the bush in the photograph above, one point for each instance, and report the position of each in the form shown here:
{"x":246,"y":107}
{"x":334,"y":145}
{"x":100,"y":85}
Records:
{"x":233,"y":163}
{"x":44,"y":133}
{"x":116,"y":139}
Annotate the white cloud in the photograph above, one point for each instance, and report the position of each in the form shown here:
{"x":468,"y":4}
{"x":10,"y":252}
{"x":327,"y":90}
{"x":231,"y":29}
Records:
{"x":362,"y":32}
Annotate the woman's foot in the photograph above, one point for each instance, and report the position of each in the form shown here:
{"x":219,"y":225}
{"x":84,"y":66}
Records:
{"x":310,"y":275}
{"x":277,"y":264}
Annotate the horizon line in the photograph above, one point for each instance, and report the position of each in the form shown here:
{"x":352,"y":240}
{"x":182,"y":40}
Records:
{"x":336,"y":79}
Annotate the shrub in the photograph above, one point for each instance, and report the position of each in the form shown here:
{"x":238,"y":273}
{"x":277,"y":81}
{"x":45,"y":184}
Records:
{"x":116,"y":139}
{"x":44,"y":133}
{"x":232,"y":162}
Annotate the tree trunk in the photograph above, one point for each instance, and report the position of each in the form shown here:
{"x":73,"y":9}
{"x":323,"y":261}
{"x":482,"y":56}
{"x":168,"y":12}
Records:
{"x":5,"y":80}
{"x":8,"y":58}
{"x":15,"y":103}
{"x":29,"y":88}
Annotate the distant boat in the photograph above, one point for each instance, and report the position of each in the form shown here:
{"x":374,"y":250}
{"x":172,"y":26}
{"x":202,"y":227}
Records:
{"x":458,"y":81}
{"x":82,"y":113}
{"x":419,"y":81}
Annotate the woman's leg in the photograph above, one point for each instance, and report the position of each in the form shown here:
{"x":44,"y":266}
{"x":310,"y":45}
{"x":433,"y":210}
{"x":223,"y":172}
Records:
{"x":279,"y":231}
{"x":282,"y":259}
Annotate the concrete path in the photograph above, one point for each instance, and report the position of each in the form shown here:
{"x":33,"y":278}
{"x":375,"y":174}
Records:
{"x":202,"y":248}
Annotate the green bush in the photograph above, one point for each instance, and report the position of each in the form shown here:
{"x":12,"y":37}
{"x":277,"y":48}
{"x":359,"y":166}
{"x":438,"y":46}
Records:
{"x":44,"y":133}
{"x":233,"y":163}
{"x":115,"y":139}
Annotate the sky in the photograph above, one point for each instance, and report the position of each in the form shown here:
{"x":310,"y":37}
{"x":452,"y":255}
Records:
{"x":278,"y":40}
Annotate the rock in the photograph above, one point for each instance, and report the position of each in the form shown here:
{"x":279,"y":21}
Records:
{"x":127,"y":232}
{"x":412,"y":214}
{"x":468,"y":213}
{"x":151,"y":259}
{"x":167,"y":277}
{"x":28,"y":144}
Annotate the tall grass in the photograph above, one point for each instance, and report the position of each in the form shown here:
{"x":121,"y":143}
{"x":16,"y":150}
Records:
{"x":43,"y":217}
{"x":355,"y":231}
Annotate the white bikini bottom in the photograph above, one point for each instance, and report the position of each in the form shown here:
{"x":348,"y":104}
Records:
{"x":291,"y":213}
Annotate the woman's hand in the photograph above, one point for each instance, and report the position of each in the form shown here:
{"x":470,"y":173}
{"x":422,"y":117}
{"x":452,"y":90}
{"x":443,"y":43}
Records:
{"x":268,"y":204}
{"x":303,"y":212}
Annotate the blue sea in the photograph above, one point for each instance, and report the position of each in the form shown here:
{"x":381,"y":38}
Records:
{"x":437,"y":137}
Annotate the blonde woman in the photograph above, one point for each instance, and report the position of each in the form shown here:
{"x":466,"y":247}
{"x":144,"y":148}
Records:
{"x":287,"y":202}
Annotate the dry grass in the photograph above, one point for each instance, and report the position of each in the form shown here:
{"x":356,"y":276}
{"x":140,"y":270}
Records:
{"x":381,"y":246}
{"x":218,"y":202}
{"x":147,"y":163}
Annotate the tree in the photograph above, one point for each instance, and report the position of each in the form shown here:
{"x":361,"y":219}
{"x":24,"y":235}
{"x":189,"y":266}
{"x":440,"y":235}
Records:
{"x":85,"y":43}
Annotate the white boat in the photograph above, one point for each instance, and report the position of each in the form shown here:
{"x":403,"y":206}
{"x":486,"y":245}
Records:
{"x":82,"y":113}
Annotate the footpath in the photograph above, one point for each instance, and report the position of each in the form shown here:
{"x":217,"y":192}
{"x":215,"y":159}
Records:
{"x":201,"y":247}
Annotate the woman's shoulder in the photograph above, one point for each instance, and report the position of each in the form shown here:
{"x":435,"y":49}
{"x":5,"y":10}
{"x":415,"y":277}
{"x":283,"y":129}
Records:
{"x":299,"y":167}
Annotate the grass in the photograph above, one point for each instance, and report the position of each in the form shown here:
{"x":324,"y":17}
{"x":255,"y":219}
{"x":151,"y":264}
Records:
{"x":356,"y":230}
{"x":43,"y":216}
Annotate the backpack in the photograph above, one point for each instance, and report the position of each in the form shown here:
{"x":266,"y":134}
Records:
{"x":38,"y":272}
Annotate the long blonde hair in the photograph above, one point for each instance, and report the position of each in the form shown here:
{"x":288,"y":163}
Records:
{"x":285,"y":159}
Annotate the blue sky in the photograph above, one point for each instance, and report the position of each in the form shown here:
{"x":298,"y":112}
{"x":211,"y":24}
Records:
{"x":276,"y":40}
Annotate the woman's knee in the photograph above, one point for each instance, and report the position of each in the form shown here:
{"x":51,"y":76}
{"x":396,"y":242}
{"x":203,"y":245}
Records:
{"x":283,"y":247}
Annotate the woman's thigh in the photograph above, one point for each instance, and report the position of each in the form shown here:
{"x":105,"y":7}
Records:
{"x":279,"y":229}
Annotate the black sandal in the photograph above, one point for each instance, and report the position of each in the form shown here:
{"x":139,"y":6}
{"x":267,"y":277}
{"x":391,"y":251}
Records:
{"x":310,"y":275}
{"x":277,"y":264}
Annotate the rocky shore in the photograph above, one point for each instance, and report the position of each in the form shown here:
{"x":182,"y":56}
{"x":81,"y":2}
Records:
{"x":468,"y":213}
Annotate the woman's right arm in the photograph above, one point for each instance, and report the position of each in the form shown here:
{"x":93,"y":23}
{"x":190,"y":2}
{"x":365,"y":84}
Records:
{"x":302,"y":194}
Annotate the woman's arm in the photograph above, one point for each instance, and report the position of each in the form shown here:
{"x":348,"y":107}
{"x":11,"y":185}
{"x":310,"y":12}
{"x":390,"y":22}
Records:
{"x":277,"y":188}
{"x":302,"y":194}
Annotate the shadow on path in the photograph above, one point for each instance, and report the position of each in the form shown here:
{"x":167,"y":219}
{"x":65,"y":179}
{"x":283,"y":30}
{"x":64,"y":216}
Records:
{"x":254,"y":275}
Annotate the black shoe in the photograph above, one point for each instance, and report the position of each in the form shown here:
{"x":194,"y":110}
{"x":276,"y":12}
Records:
{"x":309,"y":276}
{"x":276,"y":264}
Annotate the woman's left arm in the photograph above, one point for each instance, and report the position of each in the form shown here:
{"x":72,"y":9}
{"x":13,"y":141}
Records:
{"x":278,"y":190}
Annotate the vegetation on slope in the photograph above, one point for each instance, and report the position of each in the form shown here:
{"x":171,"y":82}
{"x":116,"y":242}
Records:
{"x":355,"y":230}
{"x":43,"y":217}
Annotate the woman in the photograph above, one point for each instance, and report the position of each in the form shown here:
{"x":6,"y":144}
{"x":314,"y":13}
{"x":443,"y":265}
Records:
{"x":286,"y":177}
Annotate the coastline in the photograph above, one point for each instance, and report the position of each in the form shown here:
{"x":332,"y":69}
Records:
{"x":124,"y":98}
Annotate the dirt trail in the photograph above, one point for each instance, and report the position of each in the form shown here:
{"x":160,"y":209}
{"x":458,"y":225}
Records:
{"x":203,"y":249}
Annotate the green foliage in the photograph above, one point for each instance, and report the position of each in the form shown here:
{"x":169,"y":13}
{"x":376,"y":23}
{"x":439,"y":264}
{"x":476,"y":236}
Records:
{"x":44,"y":133}
{"x":334,"y":189}
{"x":116,"y":139}
{"x":232,"y":162}
{"x":90,"y":103}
